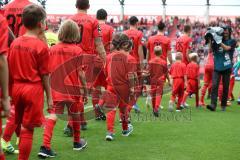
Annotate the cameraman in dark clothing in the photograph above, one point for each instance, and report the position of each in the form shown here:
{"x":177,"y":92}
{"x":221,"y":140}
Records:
{"x":223,"y":49}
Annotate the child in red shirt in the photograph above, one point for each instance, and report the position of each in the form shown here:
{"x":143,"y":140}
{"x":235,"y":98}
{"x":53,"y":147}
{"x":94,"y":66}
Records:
{"x":193,"y":81}
{"x":28,"y":62}
{"x":63,"y":96}
{"x":177,"y":72}
{"x":158,"y":70}
{"x":121,"y":71}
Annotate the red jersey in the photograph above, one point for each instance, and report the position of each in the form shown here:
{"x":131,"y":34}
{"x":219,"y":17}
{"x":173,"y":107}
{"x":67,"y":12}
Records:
{"x":159,"y":40}
{"x":3,"y":35}
{"x":192,"y":71}
{"x":60,"y":54}
{"x":89,"y":30}
{"x":107,"y":32}
{"x":13,"y":13}
{"x":178,"y":70}
{"x":136,"y":37}
{"x":183,"y":44}
{"x":118,"y":66}
{"x":28,"y":60}
{"x":158,"y":69}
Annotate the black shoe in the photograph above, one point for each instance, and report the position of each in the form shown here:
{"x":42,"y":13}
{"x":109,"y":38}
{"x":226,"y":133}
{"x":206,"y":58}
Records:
{"x":98,"y":119}
{"x":46,"y":153}
{"x":78,"y":146}
{"x":103,"y":117}
{"x":156,"y":113}
{"x":100,"y":112}
{"x":211,"y":108}
{"x":83,"y":127}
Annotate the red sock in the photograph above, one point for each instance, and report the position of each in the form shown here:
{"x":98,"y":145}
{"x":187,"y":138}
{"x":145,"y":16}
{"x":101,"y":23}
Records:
{"x":2,"y":157}
{"x":185,"y":97}
{"x":110,"y":121}
{"x":76,"y":131}
{"x":124,"y":117}
{"x":10,"y":126}
{"x":48,"y":131}
{"x":25,"y":144}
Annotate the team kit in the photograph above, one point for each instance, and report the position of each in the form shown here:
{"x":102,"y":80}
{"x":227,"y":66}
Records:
{"x":87,"y":57}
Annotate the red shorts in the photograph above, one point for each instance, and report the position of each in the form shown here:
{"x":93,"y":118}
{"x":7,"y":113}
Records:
{"x":208,"y":74}
{"x":178,"y":86}
{"x":29,"y":103}
{"x":101,"y":80}
{"x":118,"y":96}
{"x":192,"y":86}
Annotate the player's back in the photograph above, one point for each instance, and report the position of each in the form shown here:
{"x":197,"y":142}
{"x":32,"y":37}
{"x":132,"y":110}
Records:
{"x":157,"y":69}
{"x":107,"y":32}
{"x":183,"y":44}
{"x":136,"y":37}
{"x":159,"y":40}
{"x":89,"y":30}
{"x":192,"y":71}
{"x":28,"y":60}
{"x":13,"y":13}
{"x":117,"y":69}
{"x":65,"y":60}
{"x":178,"y":70}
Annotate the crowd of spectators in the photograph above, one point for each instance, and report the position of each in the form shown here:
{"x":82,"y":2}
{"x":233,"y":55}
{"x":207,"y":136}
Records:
{"x":175,"y":27}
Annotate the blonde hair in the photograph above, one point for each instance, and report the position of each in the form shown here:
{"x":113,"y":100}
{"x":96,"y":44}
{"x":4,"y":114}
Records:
{"x":193,"y":56}
{"x":69,"y":32}
{"x":158,"y":50}
{"x":179,"y":56}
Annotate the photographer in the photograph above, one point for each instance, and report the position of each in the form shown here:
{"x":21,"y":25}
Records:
{"x":223,"y":47}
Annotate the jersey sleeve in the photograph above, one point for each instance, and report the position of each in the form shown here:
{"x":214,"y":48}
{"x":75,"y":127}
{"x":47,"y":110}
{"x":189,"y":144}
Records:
{"x":97,"y":32}
{"x":3,"y":36}
{"x":43,"y":61}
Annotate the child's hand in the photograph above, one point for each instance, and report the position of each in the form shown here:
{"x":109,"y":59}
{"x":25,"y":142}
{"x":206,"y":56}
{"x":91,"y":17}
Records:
{"x":50,"y":103}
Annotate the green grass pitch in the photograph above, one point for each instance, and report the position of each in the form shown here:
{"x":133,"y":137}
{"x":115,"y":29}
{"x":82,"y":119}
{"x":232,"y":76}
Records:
{"x":196,"y":135}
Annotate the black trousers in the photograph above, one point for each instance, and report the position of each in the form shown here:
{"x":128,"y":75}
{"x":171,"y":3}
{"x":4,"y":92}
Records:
{"x":225,"y":77}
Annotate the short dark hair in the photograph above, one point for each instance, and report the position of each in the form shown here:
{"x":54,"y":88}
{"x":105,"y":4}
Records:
{"x":187,"y":28}
{"x":82,"y":4}
{"x":133,"y":20}
{"x":32,"y":15}
{"x":121,"y":41}
{"x":102,"y":14}
{"x":161,"y":26}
